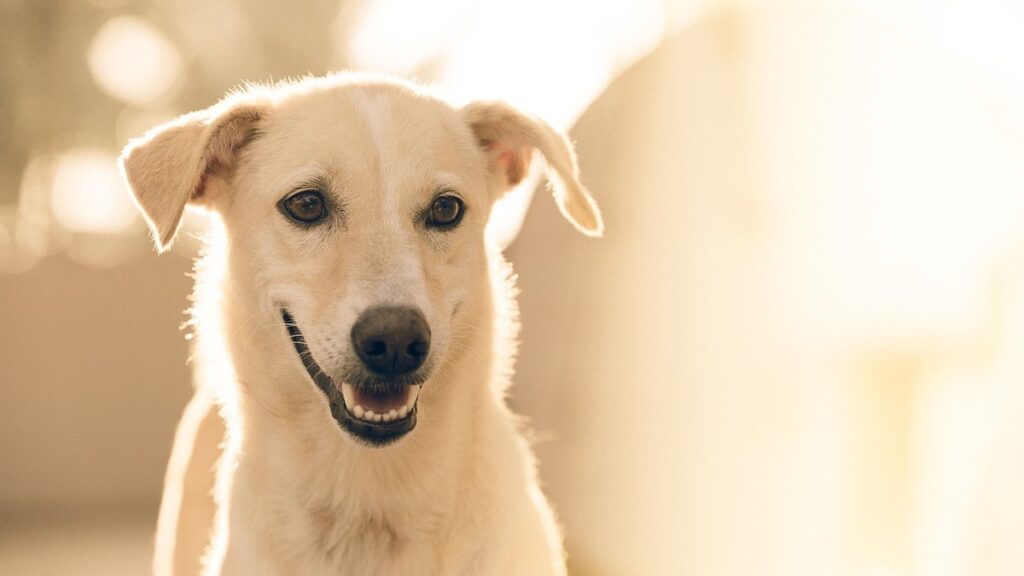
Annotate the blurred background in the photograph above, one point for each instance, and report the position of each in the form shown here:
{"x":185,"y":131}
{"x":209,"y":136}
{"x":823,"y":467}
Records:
{"x":798,"y":350}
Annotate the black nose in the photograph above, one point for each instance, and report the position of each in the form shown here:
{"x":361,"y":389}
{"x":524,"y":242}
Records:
{"x":390,"y":340}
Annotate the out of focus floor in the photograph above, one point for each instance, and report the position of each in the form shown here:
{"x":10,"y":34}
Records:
{"x":118,"y":543}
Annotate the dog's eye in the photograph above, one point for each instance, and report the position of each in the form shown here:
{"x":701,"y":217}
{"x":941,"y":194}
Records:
{"x":445,"y":212}
{"x":305,"y":206}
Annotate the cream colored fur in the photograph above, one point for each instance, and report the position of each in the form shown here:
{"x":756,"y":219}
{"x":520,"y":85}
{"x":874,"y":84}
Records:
{"x":295,"y":494}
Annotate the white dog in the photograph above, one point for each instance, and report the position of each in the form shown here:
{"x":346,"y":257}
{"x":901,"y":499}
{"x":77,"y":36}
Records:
{"x":368,"y":329}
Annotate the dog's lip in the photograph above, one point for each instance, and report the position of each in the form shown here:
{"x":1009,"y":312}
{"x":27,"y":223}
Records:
{"x":373,"y":433}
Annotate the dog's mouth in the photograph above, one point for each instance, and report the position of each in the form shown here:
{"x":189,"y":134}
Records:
{"x":376,"y":412}
{"x":388,"y":405}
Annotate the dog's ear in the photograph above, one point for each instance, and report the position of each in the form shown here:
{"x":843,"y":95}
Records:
{"x":509,"y":139}
{"x":173,"y":164}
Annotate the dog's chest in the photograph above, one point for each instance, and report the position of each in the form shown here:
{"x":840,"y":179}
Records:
{"x":367,"y":541}
{"x":338,"y":535}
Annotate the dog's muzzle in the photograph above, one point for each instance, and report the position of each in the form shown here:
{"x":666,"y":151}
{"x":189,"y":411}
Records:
{"x":376,"y":404}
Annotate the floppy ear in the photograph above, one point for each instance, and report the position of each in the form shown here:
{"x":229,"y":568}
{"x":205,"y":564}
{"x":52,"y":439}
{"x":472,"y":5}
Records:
{"x":509,"y":138}
{"x":173,"y":163}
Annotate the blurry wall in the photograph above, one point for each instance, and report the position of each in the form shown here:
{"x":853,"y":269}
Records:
{"x":93,"y":381}
{"x":798,"y":348}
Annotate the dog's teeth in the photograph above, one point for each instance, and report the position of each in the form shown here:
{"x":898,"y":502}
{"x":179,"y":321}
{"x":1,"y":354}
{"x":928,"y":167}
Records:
{"x":414,"y":393}
{"x":349,"y":394}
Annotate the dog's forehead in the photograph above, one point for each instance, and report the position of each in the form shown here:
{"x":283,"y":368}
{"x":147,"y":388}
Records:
{"x":368,"y":131}
{"x":362,"y":106}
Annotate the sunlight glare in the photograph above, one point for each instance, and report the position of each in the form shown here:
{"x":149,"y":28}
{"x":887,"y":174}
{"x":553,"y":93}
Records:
{"x":397,"y":37}
{"x":88,"y":194}
{"x":132,"y":61}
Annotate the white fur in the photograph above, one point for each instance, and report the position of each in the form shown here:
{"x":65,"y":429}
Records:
{"x":295,"y":494}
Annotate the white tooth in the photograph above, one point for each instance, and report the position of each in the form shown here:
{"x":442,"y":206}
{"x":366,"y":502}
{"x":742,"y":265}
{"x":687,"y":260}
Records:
{"x":368,"y":416}
{"x":349,"y":394}
{"x":358,"y":411}
{"x":414,"y":393}
{"x":393,"y":415}
{"x":403,"y":412}
{"x":377,"y":417}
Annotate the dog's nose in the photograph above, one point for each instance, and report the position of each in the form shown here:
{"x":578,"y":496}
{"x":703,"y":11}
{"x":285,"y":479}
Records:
{"x":391,"y":341}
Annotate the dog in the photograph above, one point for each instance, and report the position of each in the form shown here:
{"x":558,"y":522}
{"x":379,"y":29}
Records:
{"x":356,"y":330}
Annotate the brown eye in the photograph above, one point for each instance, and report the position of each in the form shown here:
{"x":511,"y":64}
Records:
{"x":445,"y":212}
{"x":306,"y":206}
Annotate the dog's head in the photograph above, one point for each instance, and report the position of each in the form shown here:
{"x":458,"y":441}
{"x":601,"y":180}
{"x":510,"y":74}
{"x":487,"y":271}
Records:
{"x":355,"y":213}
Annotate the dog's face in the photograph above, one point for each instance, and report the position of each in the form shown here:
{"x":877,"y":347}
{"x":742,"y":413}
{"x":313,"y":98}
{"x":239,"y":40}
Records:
{"x":364,"y":212}
{"x":355,"y":214}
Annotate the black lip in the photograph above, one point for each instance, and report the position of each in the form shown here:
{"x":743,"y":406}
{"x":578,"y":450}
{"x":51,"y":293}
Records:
{"x":370,"y":433}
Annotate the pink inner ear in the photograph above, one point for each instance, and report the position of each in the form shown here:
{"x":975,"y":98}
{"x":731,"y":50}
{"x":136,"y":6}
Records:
{"x":512,"y":162}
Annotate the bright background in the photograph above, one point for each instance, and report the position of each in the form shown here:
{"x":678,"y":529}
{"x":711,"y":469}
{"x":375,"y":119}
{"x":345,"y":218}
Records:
{"x":799,"y":349}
